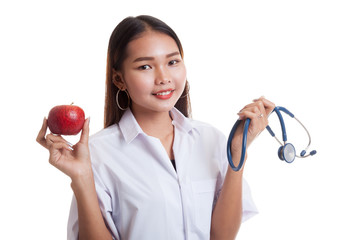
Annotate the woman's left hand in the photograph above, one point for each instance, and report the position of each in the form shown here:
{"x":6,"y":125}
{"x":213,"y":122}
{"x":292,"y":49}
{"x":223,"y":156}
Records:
{"x":258,"y":112}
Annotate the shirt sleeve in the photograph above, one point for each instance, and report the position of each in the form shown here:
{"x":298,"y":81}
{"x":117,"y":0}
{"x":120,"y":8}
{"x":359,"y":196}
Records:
{"x":248,"y":205}
{"x":106,"y":210}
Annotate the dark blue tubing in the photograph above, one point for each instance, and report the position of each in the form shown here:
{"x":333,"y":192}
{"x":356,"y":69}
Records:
{"x":243,"y":151}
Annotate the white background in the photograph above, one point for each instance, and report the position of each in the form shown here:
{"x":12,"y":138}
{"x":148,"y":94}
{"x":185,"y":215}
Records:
{"x":303,"y":55}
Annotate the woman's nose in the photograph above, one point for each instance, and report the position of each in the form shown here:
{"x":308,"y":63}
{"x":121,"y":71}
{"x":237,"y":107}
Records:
{"x":162,"y":76}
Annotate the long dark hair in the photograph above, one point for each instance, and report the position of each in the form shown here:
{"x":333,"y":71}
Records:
{"x":126,"y":31}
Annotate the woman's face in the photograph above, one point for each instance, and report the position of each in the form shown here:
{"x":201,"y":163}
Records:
{"x":153,"y":73}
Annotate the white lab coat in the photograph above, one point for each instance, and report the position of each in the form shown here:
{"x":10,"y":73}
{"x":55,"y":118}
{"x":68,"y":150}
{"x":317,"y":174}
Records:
{"x":141,"y":195}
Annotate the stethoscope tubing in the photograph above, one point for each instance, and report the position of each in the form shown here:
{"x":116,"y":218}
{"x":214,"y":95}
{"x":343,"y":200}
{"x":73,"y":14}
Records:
{"x":244,"y":141}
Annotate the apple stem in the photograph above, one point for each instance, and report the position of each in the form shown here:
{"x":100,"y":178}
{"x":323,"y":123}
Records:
{"x":72,"y":103}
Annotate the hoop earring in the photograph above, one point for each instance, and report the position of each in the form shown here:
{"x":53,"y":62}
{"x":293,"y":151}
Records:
{"x":117,"y":100}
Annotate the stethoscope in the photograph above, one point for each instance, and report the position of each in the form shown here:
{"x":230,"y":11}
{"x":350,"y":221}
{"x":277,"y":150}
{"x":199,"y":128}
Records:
{"x":286,"y":152}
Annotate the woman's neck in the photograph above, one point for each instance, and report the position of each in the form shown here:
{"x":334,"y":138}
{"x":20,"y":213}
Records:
{"x":158,"y":125}
{"x":155,"y":124}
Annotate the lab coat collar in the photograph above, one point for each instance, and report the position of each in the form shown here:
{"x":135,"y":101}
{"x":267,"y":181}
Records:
{"x":131,"y":129}
{"x":180,"y":121}
{"x":129,"y":126}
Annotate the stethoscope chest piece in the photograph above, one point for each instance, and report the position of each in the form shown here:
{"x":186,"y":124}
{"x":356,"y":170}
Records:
{"x":287,"y":153}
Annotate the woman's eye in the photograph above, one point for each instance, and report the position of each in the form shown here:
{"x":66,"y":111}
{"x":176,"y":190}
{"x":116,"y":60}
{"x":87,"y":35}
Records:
{"x":173,"y":62}
{"x":144,"y":67}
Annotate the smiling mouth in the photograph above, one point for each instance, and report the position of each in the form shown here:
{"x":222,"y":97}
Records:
{"x":163,"y":93}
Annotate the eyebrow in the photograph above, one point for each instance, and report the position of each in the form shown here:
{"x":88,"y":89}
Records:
{"x":152,"y":58}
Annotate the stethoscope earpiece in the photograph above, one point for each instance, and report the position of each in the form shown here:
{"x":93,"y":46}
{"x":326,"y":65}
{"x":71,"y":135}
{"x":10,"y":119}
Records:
{"x":303,"y":152}
{"x":313,"y":152}
{"x":286,"y":152}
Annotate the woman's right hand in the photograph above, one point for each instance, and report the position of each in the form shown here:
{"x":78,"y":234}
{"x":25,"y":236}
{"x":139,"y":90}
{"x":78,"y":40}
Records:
{"x":73,"y":160}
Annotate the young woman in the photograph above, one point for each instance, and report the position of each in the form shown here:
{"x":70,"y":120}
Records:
{"x":153,"y":172}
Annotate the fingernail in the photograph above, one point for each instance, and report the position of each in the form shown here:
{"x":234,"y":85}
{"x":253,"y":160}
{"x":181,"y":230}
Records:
{"x":71,"y":148}
{"x":69,"y":143}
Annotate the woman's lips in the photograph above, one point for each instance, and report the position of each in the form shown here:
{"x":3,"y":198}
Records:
{"x":164,"y":94}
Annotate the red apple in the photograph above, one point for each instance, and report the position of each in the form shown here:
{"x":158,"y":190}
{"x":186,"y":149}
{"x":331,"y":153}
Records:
{"x":66,"y":119}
